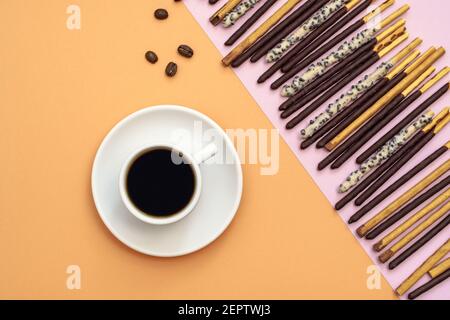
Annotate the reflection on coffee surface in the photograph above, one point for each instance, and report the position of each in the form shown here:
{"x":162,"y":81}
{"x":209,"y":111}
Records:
{"x":159,"y":186}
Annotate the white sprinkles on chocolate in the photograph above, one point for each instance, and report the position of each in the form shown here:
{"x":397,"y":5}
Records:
{"x":319,"y":68}
{"x":386,"y":151}
{"x":305,"y":29}
{"x":242,"y":8}
{"x":346,"y":99}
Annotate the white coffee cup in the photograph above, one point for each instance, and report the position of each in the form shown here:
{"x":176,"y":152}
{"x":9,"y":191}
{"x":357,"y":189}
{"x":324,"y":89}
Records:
{"x":193,"y":160}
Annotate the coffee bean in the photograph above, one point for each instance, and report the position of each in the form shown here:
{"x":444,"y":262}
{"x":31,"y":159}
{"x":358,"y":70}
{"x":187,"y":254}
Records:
{"x":185,"y":51}
{"x":171,"y":69}
{"x":151,"y":57}
{"x":161,"y":14}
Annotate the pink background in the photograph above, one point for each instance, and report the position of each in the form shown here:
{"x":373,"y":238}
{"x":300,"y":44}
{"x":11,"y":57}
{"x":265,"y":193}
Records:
{"x":427,"y":20}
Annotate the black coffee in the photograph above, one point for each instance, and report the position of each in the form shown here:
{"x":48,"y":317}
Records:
{"x":158,"y":186}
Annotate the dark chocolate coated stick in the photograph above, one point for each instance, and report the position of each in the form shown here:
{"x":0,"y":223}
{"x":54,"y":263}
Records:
{"x":377,"y":172}
{"x":334,"y":74}
{"x":364,"y":134}
{"x":289,"y":73}
{"x":397,"y":184}
{"x":436,"y":96}
{"x":358,"y":103}
{"x":354,"y":70}
{"x":316,"y":38}
{"x":395,"y":163}
{"x":292,"y":68}
{"x":250,"y":22}
{"x":393,"y":170}
{"x":407,"y":209}
{"x":367,"y":104}
{"x":420,"y":243}
{"x":329,"y":36}
{"x":427,"y":137}
{"x":323,"y":46}
{"x":303,"y":44}
{"x":378,"y":90}
{"x":382,"y":118}
{"x":341,"y":149}
{"x":385,"y":117}
{"x":295,"y":66}
{"x":289,"y":29}
{"x":429,"y":285}
{"x":244,"y":56}
{"x":330,"y":92}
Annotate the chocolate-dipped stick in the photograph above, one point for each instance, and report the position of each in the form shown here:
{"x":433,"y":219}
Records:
{"x":424,"y":268}
{"x":276,"y":29}
{"x":401,"y":181}
{"x":262,"y":29}
{"x":357,"y":107}
{"x":308,"y":94}
{"x":222,"y":12}
{"x":315,"y":21}
{"x":398,"y":160}
{"x":438,"y":94}
{"x":318,"y":36}
{"x":371,"y":51}
{"x":429,"y":285}
{"x":395,"y":163}
{"x":330,"y":83}
{"x":355,"y":72}
{"x":417,"y":141}
{"x":335,"y":71}
{"x":345,"y":118}
{"x":343,"y":150}
{"x":330,"y":39}
{"x":213,"y":1}
{"x":422,"y":241}
{"x":403,"y":199}
{"x":385,"y":100}
{"x":404,"y":211}
{"x":383,"y":118}
{"x":268,"y":29}
{"x":386,"y":152}
{"x":322,"y":66}
{"x":411,"y":149}
{"x":357,"y":90}
{"x":393,"y":80}
{"x":238,"y":12}
{"x":440,"y":268}
{"x":275,"y":50}
{"x":250,"y":22}
{"x":307,"y":19}
{"x":408,"y":238}
{"x":291,"y":68}
{"x":433,"y":205}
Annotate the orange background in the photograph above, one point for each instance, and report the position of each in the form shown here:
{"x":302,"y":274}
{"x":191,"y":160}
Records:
{"x":61,"y":91}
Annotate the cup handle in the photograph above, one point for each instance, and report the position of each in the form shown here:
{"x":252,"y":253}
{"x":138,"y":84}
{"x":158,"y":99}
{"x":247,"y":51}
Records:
{"x":206,"y":153}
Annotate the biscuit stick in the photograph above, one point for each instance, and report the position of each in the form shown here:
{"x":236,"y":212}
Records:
{"x":423,"y":269}
{"x":403,"y":199}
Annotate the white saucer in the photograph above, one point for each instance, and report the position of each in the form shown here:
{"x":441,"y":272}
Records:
{"x":221,"y":190}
